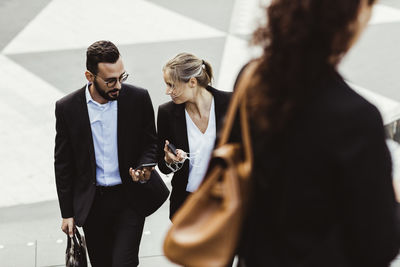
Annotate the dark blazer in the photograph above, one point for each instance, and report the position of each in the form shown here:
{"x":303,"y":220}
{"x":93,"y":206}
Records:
{"x":323,"y":193}
{"x":75,"y":167}
{"x":171,"y":125}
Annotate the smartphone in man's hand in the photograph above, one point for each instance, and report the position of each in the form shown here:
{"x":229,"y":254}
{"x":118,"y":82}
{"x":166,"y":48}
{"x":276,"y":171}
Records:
{"x":146,"y":165}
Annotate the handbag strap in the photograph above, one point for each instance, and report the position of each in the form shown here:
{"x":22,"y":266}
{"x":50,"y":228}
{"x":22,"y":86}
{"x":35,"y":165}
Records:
{"x":239,"y":99}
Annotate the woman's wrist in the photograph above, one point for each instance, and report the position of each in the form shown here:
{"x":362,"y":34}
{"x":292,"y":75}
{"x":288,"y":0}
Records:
{"x":169,"y":162}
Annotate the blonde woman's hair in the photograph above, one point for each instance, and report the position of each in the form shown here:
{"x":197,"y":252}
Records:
{"x":185,"y":66}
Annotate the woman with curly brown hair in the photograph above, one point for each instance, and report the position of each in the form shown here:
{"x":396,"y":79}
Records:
{"x":322,"y":193}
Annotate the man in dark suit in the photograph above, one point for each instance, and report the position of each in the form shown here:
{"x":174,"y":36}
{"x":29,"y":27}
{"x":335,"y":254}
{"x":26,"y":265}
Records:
{"x":104,"y":129}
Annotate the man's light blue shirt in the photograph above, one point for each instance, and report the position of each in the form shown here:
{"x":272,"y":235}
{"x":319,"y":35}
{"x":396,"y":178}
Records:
{"x":103,"y":121}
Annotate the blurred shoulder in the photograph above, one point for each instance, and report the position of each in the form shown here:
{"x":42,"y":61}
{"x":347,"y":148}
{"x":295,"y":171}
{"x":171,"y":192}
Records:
{"x":342,"y":109}
{"x":132,"y":90}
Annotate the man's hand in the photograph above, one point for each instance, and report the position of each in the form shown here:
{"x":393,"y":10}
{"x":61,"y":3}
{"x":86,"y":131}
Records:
{"x":396,"y":187}
{"x":68,"y":226}
{"x":141,"y":175}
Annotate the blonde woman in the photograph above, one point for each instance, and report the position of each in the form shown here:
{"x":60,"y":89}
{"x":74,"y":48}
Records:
{"x":190,"y":122}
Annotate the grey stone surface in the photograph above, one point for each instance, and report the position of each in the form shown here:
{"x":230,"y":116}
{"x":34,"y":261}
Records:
{"x":32,"y":233}
{"x":374,"y":62}
{"x":216,"y":13}
{"x":15,"y":15}
{"x":392,"y":3}
{"x":65,"y":69}
{"x":35,"y":223}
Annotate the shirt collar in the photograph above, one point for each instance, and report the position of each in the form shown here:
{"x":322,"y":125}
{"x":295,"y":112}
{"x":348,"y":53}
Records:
{"x":87,"y":93}
{"x":90,"y":99}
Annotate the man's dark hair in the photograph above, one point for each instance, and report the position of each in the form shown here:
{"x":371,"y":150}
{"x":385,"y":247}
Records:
{"x":100,"y":51}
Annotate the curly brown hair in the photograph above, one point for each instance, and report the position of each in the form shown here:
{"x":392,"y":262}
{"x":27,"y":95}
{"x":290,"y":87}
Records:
{"x":303,"y":41}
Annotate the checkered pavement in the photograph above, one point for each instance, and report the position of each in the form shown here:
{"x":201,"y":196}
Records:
{"x":42,"y":58}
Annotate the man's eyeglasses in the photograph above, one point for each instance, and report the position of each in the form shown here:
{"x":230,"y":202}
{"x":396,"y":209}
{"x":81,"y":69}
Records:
{"x":111,"y":82}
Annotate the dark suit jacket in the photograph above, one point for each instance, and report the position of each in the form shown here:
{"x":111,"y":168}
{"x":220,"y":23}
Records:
{"x":171,"y":125}
{"x":75,"y":166}
{"x":323,"y":193}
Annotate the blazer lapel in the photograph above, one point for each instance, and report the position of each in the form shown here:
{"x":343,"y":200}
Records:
{"x":181,"y":140}
{"x":220,"y":106}
{"x":180,"y":128}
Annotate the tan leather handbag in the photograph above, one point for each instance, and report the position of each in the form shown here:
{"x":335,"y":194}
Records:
{"x":207,"y":227}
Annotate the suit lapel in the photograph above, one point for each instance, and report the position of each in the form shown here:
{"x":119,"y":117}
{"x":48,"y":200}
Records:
{"x":121,"y":124}
{"x":83,"y":117}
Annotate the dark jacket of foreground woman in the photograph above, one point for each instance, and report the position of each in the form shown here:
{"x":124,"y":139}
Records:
{"x":323,"y":193}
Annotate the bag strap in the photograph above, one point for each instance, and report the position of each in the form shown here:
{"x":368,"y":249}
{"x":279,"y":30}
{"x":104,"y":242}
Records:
{"x":239,"y":99}
{"x":76,"y":239}
{"x":69,"y":244}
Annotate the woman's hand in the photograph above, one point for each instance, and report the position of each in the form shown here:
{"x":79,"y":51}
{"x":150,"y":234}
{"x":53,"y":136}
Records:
{"x":169,"y":157}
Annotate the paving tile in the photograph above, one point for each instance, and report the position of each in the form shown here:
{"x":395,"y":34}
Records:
{"x":216,"y":13}
{"x":246,"y":16}
{"x":155,"y":261}
{"x":143,"y":61}
{"x":130,"y":21}
{"x":27,"y":135}
{"x":15,"y":15}
{"x":375,"y":60}
{"x":40,"y":222}
{"x":392,"y":3}
{"x":18,"y":255}
{"x":42,"y":58}
{"x":384,"y":14}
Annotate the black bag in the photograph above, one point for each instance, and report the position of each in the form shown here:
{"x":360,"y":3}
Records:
{"x":75,"y":255}
{"x":151,"y":195}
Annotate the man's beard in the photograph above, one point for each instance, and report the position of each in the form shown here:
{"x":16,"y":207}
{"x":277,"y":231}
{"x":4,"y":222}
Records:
{"x":104,"y":94}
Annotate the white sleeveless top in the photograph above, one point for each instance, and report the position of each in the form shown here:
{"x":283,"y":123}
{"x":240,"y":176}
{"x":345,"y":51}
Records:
{"x":200,"y":148}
